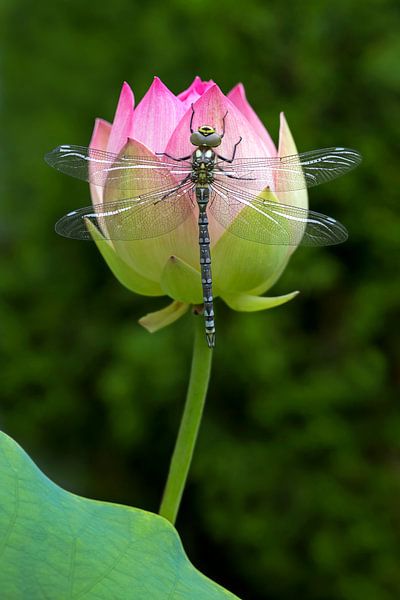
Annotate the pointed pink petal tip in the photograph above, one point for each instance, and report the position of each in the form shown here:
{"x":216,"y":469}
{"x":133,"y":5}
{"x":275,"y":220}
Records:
{"x":99,"y":141}
{"x":122,"y":123}
{"x":159,"y":87}
{"x":237,"y":89}
{"x":213,"y":88}
{"x":196,"y":89}
{"x":100,"y":135}
{"x":191,"y":90}
{"x":126,"y":100}
{"x":202,"y":86}
{"x":156,"y":116}
{"x":126,"y":89}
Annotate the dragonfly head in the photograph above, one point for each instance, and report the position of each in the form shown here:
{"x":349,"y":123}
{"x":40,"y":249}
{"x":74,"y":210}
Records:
{"x":206,"y":136}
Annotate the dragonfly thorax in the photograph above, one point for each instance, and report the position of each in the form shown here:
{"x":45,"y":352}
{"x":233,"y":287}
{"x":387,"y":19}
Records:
{"x":203,"y":165}
{"x":206,"y":136}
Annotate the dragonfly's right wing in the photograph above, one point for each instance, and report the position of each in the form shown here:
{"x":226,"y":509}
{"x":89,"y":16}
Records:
{"x":262,"y":220}
{"x":132,"y":174}
{"x":287,"y":173}
{"x":147,"y":216}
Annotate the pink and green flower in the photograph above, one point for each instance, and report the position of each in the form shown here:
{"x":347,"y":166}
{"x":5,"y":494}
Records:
{"x":169,"y":265}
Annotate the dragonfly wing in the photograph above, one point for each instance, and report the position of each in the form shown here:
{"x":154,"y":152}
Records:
{"x":288,"y":173}
{"x":147,"y":216}
{"x":260,"y":219}
{"x":122,"y":171}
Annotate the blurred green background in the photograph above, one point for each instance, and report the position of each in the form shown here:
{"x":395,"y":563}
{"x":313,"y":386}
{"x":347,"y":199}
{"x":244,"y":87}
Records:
{"x":294,"y":491}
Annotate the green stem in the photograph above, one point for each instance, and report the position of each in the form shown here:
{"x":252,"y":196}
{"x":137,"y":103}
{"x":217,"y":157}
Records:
{"x":189,"y":427}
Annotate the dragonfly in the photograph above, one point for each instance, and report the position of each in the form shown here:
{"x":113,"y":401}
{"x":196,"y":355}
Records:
{"x":157,"y":193}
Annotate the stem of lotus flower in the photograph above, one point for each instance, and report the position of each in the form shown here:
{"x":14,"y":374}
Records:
{"x":189,"y":427}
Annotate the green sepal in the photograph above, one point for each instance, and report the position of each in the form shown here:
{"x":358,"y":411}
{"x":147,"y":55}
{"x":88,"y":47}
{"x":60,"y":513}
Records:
{"x":120,"y":269}
{"x":247,"y":303}
{"x":59,"y":545}
{"x":287,"y":147}
{"x":181,"y":281}
{"x":164,"y":317}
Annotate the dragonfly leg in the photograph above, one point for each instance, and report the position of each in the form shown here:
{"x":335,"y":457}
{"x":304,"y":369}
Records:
{"x":223,"y":125}
{"x":191,"y":119}
{"x":173,"y":157}
{"x":223,"y":172}
{"x":175,"y":189}
{"x":240,"y":178}
{"x":229,"y":160}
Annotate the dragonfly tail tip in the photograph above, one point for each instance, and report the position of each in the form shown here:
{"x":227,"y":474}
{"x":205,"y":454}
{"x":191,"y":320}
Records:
{"x":210,"y":339}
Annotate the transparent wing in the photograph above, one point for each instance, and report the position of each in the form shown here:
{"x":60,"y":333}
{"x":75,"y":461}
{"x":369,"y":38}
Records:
{"x":267,"y":222}
{"x":290,"y":172}
{"x":125,"y":172}
{"x":146,"y":216}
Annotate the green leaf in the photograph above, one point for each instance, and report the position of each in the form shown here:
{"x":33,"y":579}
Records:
{"x":55,"y":545}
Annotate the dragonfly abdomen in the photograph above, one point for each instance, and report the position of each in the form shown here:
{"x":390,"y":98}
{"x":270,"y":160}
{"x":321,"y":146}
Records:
{"x":202,"y":197}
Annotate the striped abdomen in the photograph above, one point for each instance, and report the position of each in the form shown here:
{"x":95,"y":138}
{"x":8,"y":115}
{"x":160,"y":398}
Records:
{"x":202,"y":197}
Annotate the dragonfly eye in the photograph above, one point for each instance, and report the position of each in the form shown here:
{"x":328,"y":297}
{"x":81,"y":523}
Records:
{"x":213,"y":140}
{"x":199,"y":139}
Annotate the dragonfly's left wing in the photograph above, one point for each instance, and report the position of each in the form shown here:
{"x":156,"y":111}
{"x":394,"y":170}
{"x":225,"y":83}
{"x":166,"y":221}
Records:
{"x":295,"y":172}
{"x":265,"y":221}
{"x":147,"y":216}
{"x":132,"y":174}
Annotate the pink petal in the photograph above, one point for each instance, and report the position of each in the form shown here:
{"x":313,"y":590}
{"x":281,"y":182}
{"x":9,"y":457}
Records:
{"x":238,"y":96}
{"x":210,"y":109}
{"x":100,"y":135}
{"x":191,"y":89}
{"x":122,"y":124}
{"x":194,"y":91}
{"x":202,"y":86}
{"x":156,"y":116}
{"x":99,"y":141}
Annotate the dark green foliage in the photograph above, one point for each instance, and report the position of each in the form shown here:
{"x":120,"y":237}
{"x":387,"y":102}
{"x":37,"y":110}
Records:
{"x":295,"y":485}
